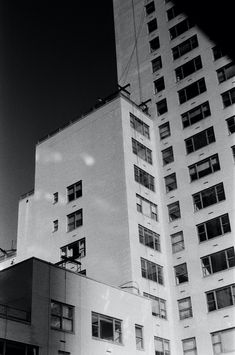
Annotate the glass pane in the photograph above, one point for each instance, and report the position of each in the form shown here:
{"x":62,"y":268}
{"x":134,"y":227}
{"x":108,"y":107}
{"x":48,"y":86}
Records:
{"x":228,"y":340}
{"x":224,"y":297}
{"x":106,"y":329}
{"x":55,"y":322}
{"x":55,"y":308}
{"x":218,"y":262}
{"x":67,"y":324}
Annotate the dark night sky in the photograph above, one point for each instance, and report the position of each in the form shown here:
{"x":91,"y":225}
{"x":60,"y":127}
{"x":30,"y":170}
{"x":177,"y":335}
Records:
{"x":55,"y":62}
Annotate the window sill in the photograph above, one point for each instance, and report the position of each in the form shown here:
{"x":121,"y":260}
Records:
{"x":63,"y":330}
{"x":107,"y":341}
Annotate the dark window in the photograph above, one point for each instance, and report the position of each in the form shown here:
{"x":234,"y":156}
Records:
{"x":213,"y":228}
{"x":146,"y":207}
{"x":192,"y":90}
{"x":188,"y":68}
{"x":74,"y":191}
{"x":185,"y":47}
{"x":107,"y":328}
{"x":149,"y":238}
{"x":75,"y":220}
{"x":143,"y":178}
{"x":62,"y":316}
{"x":154,"y":44}
{"x":8,"y":347}
{"x":200,"y":140}
{"x":185,"y":308}
{"x":174,"y":211}
{"x":167,"y":156}
{"x":55,"y":197}
{"x":151,"y":271}
{"x":142,"y":151}
{"x":226,"y":72}
{"x":74,"y":250}
{"x":55,"y":225}
{"x":208,"y":197}
{"x":228,"y":97}
{"x":181,"y":273}
{"x":152,"y":25}
{"x":170,"y":182}
{"x":222,"y":260}
{"x":231,"y":124}
{"x":139,"y":125}
{"x":177,"y":242}
{"x":161,"y":107}
{"x":217,"y":52}
{"x":173,"y":12}
{"x":150,"y":8}
{"x":156,"y":64}
{"x":233,"y":152}
{"x":180,"y":28}
{"x":197,"y":114}
{"x":204,"y":167}
{"x":189,"y":346}
{"x":139,"y":337}
{"x":159,"y":85}
{"x":164,"y":130}
{"x":158,"y":306}
{"x":162,"y":346}
{"x":221,"y":298}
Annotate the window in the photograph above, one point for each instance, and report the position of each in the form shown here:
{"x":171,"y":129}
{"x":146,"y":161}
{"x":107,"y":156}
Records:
{"x":222,"y":260}
{"x":143,"y":178}
{"x":154,"y":44}
{"x":159,"y":85}
{"x":181,"y":273}
{"x":197,"y":114}
{"x":164,"y":130}
{"x":231,"y":124}
{"x":55,"y":225}
{"x":62,"y":316}
{"x":167,"y":156}
{"x":188,"y":68}
{"x":189,"y":346}
{"x":217,"y":52}
{"x":185,"y":47}
{"x":200,"y":140}
{"x":139,"y":337}
{"x":204,"y":167}
{"x":55,"y":197}
{"x":152,"y":25}
{"x":141,"y":151}
{"x":180,"y":28}
{"x":228,"y":97}
{"x":162,"y":346}
{"x":192,"y":90}
{"x":172,"y":12}
{"x":151,"y":271}
{"x":146,"y":207}
{"x":161,"y":107}
{"x":170,"y":182}
{"x":208,"y":197}
{"x":149,"y":238}
{"x":74,"y":250}
{"x":139,"y":126}
{"x":74,"y":191}
{"x":226,"y":72}
{"x":108,"y":328}
{"x":213,"y":228}
{"x":150,"y":8}
{"x":9,"y":347}
{"x":221,"y":298}
{"x":75,"y":220}
{"x":223,"y":342}
{"x":185,"y":308}
{"x":233,"y":152}
{"x":158,"y":305}
{"x":174,"y":211}
{"x":177,"y":242}
{"x":156,"y":64}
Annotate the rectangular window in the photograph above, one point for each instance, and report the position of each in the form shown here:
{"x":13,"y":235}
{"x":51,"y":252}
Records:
{"x":217,"y":52}
{"x":107,"y":328}
{"x":185,"y":47}
{"x":197,"y":114}
{"x":167,"y":156}
{"x":200,"y":140}
{"x":150,"y":8}
{"x":143,"y":178}
{"x":170,"y":182}
{"x":154,"y":44}
{"x":164,"y":130}
{"x":139,"y":126}
{"x":74,"y":191}
{"x":208,"y":197}
{"x":177,"y":242}
{"x":152,"y":25}
{"x":213,"y":228}
{"x":158,"y":306}
{"x":62,"y":316}
{"x":189,"y":346}
{"x":9,"y":347}
{"x":204,"y":167}
{"x":55,"y":225}
{"x":139,"y":337}
{"x":162,"y":346}
{"x":161,"y":107}
{"x":149,"y":238}
{"x":228,"y":97}
{"x":156,"y":64}
{"x":223,"y":342}
{"x":173,"y":12}
{"x":174,"y":211}
{"x":192,"y":90}
{"x":222,"y":260}
{"x":221,"y":298}
{"x":188,"y":68}
{"x":159,"y":85}
{"x":226,"y":72}
{"x":185,"y":308}
{"x":141,"y":151}
{"x":75,"y":250}
{"x":233,"y":152}
{"x":180,"y":28}
{"x":74,"y":220}
{"x":231,"y":124}
{"x":151,"y":271}
{"x":55,"y":197}
{"x":181,"y":273}
{"x":146,"y":207}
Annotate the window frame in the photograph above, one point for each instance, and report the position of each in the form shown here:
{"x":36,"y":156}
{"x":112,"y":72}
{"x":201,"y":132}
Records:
{"x":174,"y":208}
{"x":74,"y":191}
{"x":140,"y":126}
{"x":154,"y":44}
{"x":61,"y":317}
{"x":188,"y":68}
{"x":163,"y":109}
{"x":183,"y":273}
{"x":152,"y":25}
{"x":220,"y":341}
{"x":114,"y":321}
{"x":152,"y":271}
{"x":165,"y":346}
{"x":194,"y":348}
{"x":159,"y":85}
{"x":145,"y":234}
{"x":78,"y":220}
{"x":216,"y":193}
{"x":189,"y":118}
{"x":200,"y":140}
{"x":179,"y":244}
{"x":187,"y":311}
{"x":153,"y":9}
{"x":195,"y":173}
{"x":156,"y":64}
{"x":81,"y":249}
{"x":143,"y":178}
{"x":161,"y":305}
{"x":153,"y":208}
{"x":221,"y":226}
{"x":208,"y":262}
{"x":169,"y":158}
{"x":191,"y":43}
{"x":139,"y":338}
{"x":214,"y":301}
{"x":172,"y":184}
{"x":142,"y":151}
{"x":164,"y":133}
{"x":228,"y":97}
{"x":226,"y":72}
{"x":193,"y":90}
{"x":231,"y":124}
{"x":180,"y":28}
